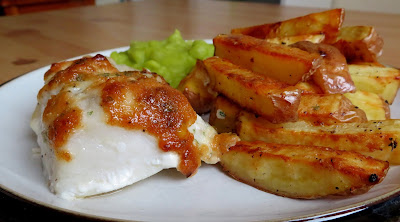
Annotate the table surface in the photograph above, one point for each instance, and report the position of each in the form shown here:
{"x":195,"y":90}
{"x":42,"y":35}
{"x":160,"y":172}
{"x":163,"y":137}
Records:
{"x":34,"y":40}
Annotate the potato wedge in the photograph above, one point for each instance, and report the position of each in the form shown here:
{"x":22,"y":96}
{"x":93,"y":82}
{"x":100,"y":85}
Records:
{"x":332,"y":76}
{"x":288,"y":40}
{"x":377,"y":139}
{"x":384,"y":81}
{"x":373,"y":105}
{"x":195,"y":87}
{"x":283,"y":63}
{"x":322,"y":109}
{"x":223,"y":115}
{"x":270,"y":98}
{"x":359,"y":43}
{"x":316,"y":109}
{"x":375,"y":64}
{"x":305,"y":172}
{"x":326,"y":22}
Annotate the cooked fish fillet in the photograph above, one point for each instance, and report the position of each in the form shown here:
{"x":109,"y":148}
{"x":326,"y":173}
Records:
{"x":100,"y":129}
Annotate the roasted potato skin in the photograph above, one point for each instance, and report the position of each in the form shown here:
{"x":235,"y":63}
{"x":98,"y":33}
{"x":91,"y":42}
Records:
{"x":286,"y":64}
{"x":265,"y":96}
{"x":322,"y":109}
{"x":326,"y":22}
{"x":195,"y":87}
{"x":377,"y":139}
{"x":332,"y":76}
{"x":305,"y":172}
{"x":359,"y":44}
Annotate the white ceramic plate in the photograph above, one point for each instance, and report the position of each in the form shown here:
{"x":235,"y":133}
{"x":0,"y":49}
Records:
{"x":210,"y":195}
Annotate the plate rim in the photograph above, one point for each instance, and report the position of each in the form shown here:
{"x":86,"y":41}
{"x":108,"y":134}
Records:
{"x":326,"y":215}
{"x":323,"y":215}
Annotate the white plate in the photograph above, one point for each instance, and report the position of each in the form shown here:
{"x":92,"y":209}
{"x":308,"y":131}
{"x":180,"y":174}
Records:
{"x":210,"y":195}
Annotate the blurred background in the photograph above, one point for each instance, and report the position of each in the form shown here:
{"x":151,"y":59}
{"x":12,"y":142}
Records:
{"x":16,"y":7}
{"x":386,"y":6}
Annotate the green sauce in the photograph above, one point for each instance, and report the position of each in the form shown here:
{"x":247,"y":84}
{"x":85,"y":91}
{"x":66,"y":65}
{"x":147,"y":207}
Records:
{"x":172,"y":58}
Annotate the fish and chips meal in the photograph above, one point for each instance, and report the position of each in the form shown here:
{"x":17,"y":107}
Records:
{"x":298,"y":108}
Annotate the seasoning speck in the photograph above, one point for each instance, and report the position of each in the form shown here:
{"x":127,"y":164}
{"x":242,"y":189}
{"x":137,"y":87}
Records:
{"x":373,"y":178}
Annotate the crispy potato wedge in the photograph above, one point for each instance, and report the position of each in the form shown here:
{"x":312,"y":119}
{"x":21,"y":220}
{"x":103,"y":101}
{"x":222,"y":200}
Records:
{"x":223,"y":115}
{"x":384,"y":81}
{"x":325,"y":109}
{"x":195,"y":87}
{"x":316,"y":109}
{"x":283,"y":63}
{"x":373,"y":105}
{"x":377,"y":139}
{"x":359,"y":43}
{"x":326,"y":22}
{"x":288,"y":40}
{"x":332,"y":76}
{"x":305,"y":172}
{"x":265,"y":96}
